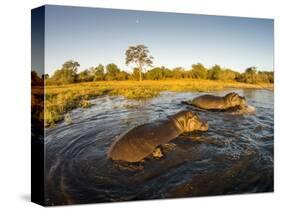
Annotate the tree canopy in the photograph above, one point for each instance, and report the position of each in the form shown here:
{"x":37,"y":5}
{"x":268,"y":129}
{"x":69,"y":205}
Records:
{"x":140,"y":56}
{"x":69,"y":72}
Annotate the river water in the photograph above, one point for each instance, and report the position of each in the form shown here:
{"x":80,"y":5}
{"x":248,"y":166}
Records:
{"x":234,"y":156}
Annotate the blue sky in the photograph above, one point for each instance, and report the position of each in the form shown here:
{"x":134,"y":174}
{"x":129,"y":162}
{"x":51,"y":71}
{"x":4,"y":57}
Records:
{"x":92,"y":36}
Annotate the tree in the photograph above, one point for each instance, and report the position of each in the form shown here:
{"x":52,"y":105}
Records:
{"x":159,"y":73}
{"x":35,"y":79}
{"x":99,"y":73}
{"x":249,"y":76}
{"x":71,"y":65}
{"x":45,"y":76}
{"x":214,"y":72}
{"x":140,"y":56}
{"x":179,"y":73}
{"x":263,"y":76}
{"x":62,"y":76}
{"x":112,"y":71}
{"x":199,"y":71}
{"x":122,"y":75}
{"x":251,"y":70}
{"x":67,"y":74}
{"x":155,"y":74}
{"x":270,"y":76}
{"x":85,"y":76}
{"x":136,"y":74}
{"x":227,"y":75}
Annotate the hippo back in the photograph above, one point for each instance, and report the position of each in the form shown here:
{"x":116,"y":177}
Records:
{"x":209,"y":102}
{"x":141,"y":141}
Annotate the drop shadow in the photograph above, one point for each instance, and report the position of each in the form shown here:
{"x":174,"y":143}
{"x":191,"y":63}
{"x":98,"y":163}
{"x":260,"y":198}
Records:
{"x":25,"y":197}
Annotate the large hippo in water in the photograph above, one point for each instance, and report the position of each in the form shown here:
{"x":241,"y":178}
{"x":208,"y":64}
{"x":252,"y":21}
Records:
{"x":211,"y":102}
{"x":142,"y":140}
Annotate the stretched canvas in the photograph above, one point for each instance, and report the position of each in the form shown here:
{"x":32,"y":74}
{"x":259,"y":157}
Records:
{"x":141,"y":105}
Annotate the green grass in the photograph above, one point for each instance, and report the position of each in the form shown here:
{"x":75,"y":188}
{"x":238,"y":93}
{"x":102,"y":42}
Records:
{"x":59,"y":100}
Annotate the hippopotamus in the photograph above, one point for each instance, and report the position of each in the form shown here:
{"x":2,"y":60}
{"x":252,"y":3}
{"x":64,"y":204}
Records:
{"x":141,"y":141}
{"x":211,"y":102}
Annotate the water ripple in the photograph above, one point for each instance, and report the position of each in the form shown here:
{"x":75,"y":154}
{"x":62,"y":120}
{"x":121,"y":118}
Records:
{"x":234,"y":156}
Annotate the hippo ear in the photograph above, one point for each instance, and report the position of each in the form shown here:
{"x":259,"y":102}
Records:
{"x":189,"y":114}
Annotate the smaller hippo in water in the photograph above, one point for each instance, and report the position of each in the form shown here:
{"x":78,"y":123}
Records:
{"x":211,"y":102}
{"x":141,"y":141}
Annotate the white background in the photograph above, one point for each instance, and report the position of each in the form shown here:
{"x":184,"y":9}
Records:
{"x":15,"y":104}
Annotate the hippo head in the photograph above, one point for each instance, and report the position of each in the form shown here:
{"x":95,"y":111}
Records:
{"x":190,"y":121}
{"x":233,"y":99}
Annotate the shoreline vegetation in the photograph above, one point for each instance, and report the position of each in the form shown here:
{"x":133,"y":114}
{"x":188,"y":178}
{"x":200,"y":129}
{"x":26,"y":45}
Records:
{"x":61,"y":99}
{"x":68,"y":89}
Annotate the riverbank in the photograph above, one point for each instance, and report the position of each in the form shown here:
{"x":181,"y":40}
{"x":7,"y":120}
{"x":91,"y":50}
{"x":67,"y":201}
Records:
{"x":59,"y":100}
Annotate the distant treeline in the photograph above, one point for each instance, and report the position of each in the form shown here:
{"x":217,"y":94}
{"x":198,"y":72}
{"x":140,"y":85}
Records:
{"x":69,"y":74}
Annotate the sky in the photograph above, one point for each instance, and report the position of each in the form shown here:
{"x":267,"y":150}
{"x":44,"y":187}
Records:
{"x":95,"y":36}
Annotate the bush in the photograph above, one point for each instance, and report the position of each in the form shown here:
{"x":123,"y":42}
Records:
{"x":68,"y":74}
{"x":112,"y":71}
{"x":85,"y":76}
{"x":159,"y":73}
{"x":227,"y":75}
{"x":214,"y":72}
{"x":35,"y":79}
{"x":99,"y":73}
{"x":198,"y":71}
{"x":122,"y":76}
